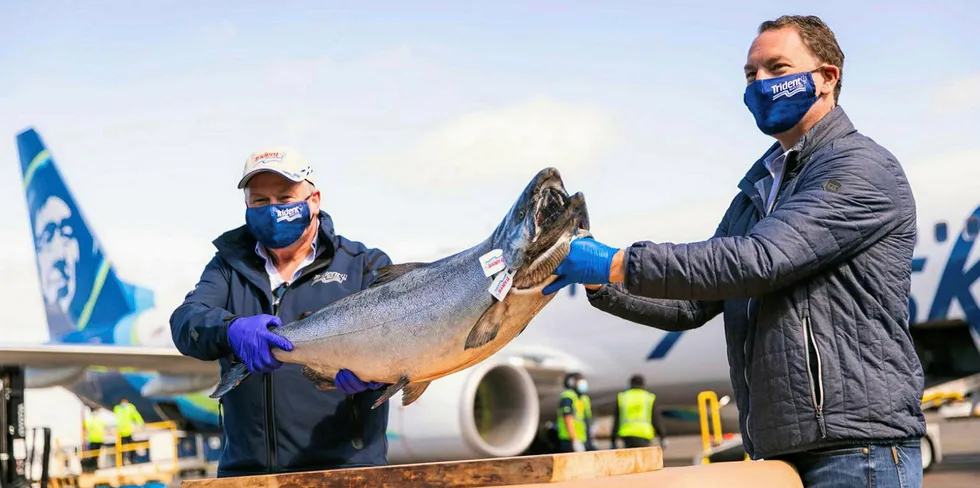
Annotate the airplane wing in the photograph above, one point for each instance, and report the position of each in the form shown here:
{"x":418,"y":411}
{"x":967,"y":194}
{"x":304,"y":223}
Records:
{"x":159,"y":359}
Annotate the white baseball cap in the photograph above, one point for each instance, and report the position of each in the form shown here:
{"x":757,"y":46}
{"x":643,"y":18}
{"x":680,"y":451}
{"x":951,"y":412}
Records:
{"x":284,"y":160}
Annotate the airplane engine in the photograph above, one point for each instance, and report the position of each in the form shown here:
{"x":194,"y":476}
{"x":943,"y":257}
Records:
{"x":488,"y":410}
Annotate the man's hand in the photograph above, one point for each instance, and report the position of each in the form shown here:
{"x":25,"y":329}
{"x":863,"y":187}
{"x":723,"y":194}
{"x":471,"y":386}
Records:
{"x":350,"y":384}
{"x":252,"y":342}
{"x":588,"y":262}
{"x":578,"y":446}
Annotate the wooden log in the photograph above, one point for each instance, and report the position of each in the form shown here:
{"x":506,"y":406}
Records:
{"x":546,"y":468}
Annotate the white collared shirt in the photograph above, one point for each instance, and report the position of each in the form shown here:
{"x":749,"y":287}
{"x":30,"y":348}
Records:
{"x":274,"y":279}
{"x":774,"y":163}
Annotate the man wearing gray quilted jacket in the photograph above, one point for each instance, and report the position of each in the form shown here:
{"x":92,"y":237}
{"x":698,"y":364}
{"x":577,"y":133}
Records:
{"x":811,"y":267}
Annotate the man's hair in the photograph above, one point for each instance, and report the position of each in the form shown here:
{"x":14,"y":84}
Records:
{"x":819,"y":39}
{"x":636,"y":381}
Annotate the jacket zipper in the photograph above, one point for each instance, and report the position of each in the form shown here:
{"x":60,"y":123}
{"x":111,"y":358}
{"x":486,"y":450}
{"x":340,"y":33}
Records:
{"x":270,"y":415}
{"x":745,"y":366}
{"x":814,"y":386}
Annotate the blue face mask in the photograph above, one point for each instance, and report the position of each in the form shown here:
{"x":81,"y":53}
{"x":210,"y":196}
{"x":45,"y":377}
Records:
{"x":278,"y":225}
{"x":583,"y":386}
{"x":780,"y":103}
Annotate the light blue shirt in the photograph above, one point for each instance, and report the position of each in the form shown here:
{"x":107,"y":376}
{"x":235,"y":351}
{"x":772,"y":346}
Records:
{"x":774,"y":163}
{"x":274,"y":279}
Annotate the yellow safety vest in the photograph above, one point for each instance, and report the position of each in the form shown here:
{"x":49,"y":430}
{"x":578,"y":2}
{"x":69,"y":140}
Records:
{"x":635,"y":409}
{"x":95,"y":429}
{"x":125,"y":416}
{"x":581,"y":410}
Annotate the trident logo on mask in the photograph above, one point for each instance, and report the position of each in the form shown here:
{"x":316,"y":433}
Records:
{"x":788,"y":88}
{"x":288,"y":214}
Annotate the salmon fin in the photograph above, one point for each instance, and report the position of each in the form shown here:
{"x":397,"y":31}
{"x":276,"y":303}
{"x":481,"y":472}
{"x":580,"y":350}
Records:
{"x":320,"y":381}
{"x":412,"y":392}
{"x":486,"y":328}
{"x":232,"y":378}
{"x":389,"y":391}
{"x":389,"y":273}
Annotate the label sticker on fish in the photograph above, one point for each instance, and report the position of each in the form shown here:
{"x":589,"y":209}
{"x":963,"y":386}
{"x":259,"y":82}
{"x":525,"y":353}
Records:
{"x":492,"y":262}
{"x":501,"y":285}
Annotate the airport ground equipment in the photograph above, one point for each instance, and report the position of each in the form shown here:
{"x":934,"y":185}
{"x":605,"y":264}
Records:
{"x":146,"y":470}
{"x":641,"y":466}
{"x":13,"y":437}
{"x":715,"y":447}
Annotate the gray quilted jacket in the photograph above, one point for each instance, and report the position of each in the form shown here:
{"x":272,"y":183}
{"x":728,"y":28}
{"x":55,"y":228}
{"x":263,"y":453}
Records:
{"x":815,"y":296}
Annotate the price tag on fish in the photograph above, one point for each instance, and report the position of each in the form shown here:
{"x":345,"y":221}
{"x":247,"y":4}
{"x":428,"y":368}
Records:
{"x":501,"y":285}
{"x":492,"y":262}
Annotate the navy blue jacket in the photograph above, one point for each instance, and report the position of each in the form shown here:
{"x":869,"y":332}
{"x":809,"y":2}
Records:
{"x":815,"y":296}
{"x":280,"y":422}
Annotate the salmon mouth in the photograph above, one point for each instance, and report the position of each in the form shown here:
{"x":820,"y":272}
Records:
{"x":559,"y":227}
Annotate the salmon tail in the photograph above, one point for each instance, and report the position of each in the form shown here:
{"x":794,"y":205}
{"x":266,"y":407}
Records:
{"x":232,"y":378}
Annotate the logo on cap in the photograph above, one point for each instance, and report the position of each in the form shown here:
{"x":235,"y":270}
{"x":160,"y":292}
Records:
{"x":268,"y":158}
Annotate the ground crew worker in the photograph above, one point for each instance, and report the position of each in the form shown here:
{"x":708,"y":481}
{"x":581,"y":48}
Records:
{"x":574,"y":415}
{"x":810,"y":265}
{"x":286,"y":261}
{"x":634,"y":421}
{"x":126,"y":417}
{"x":94,"y":427}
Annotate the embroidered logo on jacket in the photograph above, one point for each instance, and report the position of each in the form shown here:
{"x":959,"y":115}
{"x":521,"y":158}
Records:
{"x":330,"y":277}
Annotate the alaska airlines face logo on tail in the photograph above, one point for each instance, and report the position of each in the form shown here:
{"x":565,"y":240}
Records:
{"x":57,"y":252}
{"x":788,"y":88}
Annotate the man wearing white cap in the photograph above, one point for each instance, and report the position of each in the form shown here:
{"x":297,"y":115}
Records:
{"x":285,"y":262}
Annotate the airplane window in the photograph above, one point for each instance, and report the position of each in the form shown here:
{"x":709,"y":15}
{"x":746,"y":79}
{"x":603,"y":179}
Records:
{"x":972,"y":227}
{"x":941,"y":232}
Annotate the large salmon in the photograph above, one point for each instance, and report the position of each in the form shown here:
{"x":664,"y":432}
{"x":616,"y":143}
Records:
{"x":421,"y":321}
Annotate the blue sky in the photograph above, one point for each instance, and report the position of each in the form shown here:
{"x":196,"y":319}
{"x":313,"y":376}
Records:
{"x":420,"y":118}
{"x":424,"y":122}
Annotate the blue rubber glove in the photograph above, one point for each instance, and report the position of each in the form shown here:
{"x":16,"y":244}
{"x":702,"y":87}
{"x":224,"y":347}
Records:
{"x":350,"y":384}
{"x":252,"y":342}
{"x":588,"y":262}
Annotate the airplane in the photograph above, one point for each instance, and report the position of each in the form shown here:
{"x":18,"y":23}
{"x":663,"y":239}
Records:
{"x":102,"y":347}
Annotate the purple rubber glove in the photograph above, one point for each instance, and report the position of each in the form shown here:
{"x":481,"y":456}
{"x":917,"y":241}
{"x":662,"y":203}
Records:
{"x":350,"y":384}
{"x":252,"y":342}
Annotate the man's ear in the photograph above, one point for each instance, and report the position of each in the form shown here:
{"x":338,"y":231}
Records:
{"x":315,"y":202}
{"x":829,"y":77}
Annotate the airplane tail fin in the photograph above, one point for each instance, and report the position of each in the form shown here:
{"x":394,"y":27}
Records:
{"x":84,"y":299}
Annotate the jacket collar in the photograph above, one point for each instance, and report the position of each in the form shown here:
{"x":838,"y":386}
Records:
{"x":832,"y":126}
